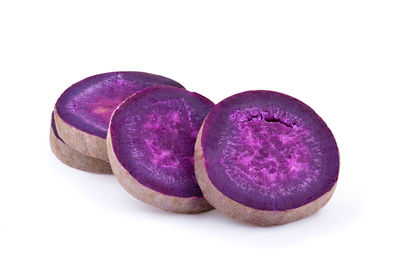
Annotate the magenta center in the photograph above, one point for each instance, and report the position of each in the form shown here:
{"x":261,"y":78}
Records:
{"x":169,"y":135}
{"x":269,"y":149}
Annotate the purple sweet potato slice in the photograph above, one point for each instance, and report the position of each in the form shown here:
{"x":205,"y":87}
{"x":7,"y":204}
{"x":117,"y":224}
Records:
{"x":73,"y":158}
{"x":150,"y":145}
{"x":82,"y":113}
{"x":266,"y":158}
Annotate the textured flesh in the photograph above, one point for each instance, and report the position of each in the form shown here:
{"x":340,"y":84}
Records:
{"x":153,"y":135}
{"x":269,"y":151}
{"x":88,"y":104}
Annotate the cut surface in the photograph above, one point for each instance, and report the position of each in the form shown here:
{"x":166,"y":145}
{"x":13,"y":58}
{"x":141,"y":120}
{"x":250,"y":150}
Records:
{"x":171,"y":203}
{"x":153,"y":135}
{"x":88,"y":104}
{"x":269,"y":151}
{"x":73,"y":158}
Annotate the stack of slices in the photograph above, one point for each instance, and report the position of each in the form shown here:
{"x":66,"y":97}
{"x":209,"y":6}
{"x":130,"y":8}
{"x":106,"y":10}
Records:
{"x":261,"y":157}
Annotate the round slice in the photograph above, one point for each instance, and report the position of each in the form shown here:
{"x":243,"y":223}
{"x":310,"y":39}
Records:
{"x":150,"y":144}
{"x":266,"y":158}
{"x":83,"y":111}
{"x":73,"y":158}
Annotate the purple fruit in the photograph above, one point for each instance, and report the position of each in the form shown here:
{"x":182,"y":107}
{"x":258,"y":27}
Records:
{"x":266,"y":158}
{"x":73,"y":158}
{"x":151,"y":147}
{"x":83,"y":111}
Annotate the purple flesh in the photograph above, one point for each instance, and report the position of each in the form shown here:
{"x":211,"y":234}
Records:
{"x":88,"y":104}
{"x":53,"y":126}
{"x":269,"y":151}
{"x":153,"y":135}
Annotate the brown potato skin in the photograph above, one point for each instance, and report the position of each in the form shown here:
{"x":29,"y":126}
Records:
{"x":81,"y":141}
{"x":147,"y":195}
{"x":244,"y":213}
{"x":75,"y":159}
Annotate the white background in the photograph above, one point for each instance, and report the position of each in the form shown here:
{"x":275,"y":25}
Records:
{"x":340,"y":57}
